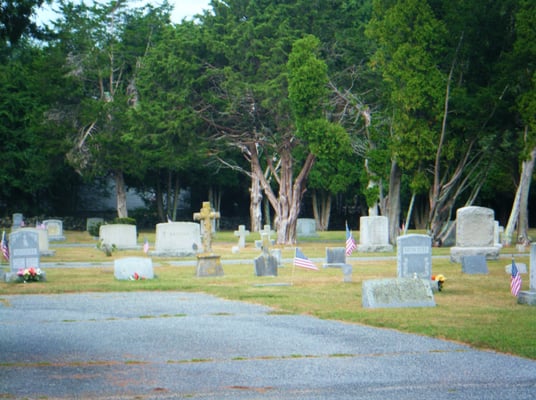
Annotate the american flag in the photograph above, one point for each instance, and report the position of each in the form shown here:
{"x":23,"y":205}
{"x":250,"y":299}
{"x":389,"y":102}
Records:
{"x":5,"y":246}
{"x":303,"y":262}
{"x":146,"y":246}
{"x":350,"y":242}
{"x":515,"y":280}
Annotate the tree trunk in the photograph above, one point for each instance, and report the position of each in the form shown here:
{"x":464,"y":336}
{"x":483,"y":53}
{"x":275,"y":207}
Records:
{"x":255,"y":204}
{"x":519,"y":212}
{"x":160,"y":201}
{"x":321,"y":209}
{"x":395,"y":179}
{"x":121,"y":193}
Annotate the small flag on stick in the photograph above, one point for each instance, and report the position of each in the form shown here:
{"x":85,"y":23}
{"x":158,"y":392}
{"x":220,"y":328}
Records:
{"x":146,"y":246}
{"x":350,"y":242}
{"x":515,"y":280}
{"x":5,"y":246}
{"x":303,"y":262}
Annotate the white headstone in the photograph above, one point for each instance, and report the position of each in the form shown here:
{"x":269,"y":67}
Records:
{"x":177,"y":239}
{"x":133,"y":268}
{"x":122,"y":236}
{"x":475,"y":234}
{"x":374,"y":234}
{"x":242,"y":233}
{"x":55,"y":229}
{"x":529,"y":296}
{"x":42,"y":235}
{"x":306,"y":227}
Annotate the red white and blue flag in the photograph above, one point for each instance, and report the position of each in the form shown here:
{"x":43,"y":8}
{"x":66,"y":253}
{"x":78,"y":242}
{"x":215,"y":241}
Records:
{"x":515,"y":280}
{"x":5,"y":246}
{"x":303,"y":262}
{"x":146,"y":246}
{"x":350,"y":242}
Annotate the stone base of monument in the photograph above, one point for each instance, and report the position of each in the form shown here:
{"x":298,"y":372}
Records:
{"x":527,"y":297}
{"x":374,"y":248}
{"x":397,"y":293}
{"x":208,"y":265}
{"x":457,"y":253}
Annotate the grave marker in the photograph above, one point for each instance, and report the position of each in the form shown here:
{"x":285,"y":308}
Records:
{"x":18,"y":221}
{"x":177,"y":239}
{"x":336,"y":258}
{"x":414,"y":256}
{"x":133,"y":268}
{"x":54,"y":229}
{"x":306,"y":227}
{"x":374,"y":234}
{"x":208,"y":264}
{"x":23,"y":252}
{"x":242,"y":233}
{"x":266,"y":264}
{"x":529,"y":296}
{"x":474,"y":264}
{"x":397,"y":293}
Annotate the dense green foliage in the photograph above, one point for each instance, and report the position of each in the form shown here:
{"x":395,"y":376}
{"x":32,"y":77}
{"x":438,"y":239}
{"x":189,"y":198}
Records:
{"x":333,"y":91}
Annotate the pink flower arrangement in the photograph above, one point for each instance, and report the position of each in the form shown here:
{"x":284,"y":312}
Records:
{"x":29,"y":274}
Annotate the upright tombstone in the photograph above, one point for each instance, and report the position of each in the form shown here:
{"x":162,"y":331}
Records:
{"x":90,"y":222}
{"x":266,"y":264}
{"x":18,"y":221}
{"x":208,"y":263}
{"x":529,"y":296}
{"x":306,"y":227}
{"x":374,"y":234}
{"x":122,"y":236}
{"x":475,"y":234}
{"x":54,"y":229}
{"x":242,"y":233}
{"x":23,"y":252}
{"x":414,"y":256}
{"x":42,"y":235}
{"x":133,"y":268}
{"x":336,"y":258}
{"x":177,"y":239}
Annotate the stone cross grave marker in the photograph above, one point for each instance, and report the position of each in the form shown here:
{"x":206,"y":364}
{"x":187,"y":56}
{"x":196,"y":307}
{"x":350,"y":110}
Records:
{"x":206,"y":215}
{"x":266,"y":230}
{"x":242,"y":233}
{"x":414,"y":256}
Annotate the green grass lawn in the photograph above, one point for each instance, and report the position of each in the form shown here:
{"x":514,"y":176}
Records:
{"x":474,"y":309}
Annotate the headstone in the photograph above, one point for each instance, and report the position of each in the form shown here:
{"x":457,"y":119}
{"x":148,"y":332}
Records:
{"x":336,"y":258}
{"x":206,"y":215}
{"x":92,"y":222}
{"x":414,"y":256}
{"x":208,"y":265}
{"x":529,"y":296}
{"x":54,"y":228}
{"x":266,"y":264}
{"x":23,"y":252}
{"x":397,"y":293}
{"x":42,"y":234}
{"x":133,"y":268}
{"x":374,"y":234}
{"x":266,"y":230}
{"x":306,"y":227}
{"x":177,"y":239}
{"x":475,"y":234}
{"x":474,"y":264}
{"x":242,"y":233}
{"x":521,"y":268}
{"x":122,"y":236}
{"x":18,"y":221}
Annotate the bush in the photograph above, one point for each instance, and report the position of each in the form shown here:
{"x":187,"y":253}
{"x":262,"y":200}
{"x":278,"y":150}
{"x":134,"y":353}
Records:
{"x":127,"y":221}
{"x":94,"y":229}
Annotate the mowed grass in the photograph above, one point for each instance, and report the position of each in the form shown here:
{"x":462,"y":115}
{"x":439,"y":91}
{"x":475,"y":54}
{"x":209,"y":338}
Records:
{"x":474,"y":309}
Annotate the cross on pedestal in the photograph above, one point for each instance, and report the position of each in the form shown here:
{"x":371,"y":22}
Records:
{"x":242,"y":232}
{"x":206,"y":215}
{"x":267,"y":231}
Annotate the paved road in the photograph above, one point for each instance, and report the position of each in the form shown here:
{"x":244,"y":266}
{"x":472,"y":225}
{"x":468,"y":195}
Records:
{"x":171,"y":345}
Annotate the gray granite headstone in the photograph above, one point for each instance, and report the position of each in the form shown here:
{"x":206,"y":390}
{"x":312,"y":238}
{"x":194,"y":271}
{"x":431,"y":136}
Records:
{"x":336,"y":258}
{"x":209,"y":265}
{"x":397,"y":293}
{"x":414,"y":256}
{"x":42,"y":235}
{"x":23,"y":252}
{"x":55,"y":229}
{"x":266,"y":264}
{"x":18,"y":220}
{"x":132,"y":268}
{"x":474,"y":264}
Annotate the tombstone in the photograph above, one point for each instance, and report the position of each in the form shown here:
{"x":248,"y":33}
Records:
{"x":122,"y":236}
{"x":374,"y":234}
{"x":208,"y":264}
{"x":266,"y":230}
{"x":54,"y":228}
{"x":336,"y":258}
{"x":242,"y":233}
{"x":23,"y":252}
{"x":474,"y":264}
{"x":42,"y":234}
{"x":414,"y":256}
{"x":177,"y":239}
{"x":92,"y":222}
{"x":18,"y":221}
{"x":266,"y":264}
{"x":529,"y":296}
{"x":397,"y":293}
{"x":475,"y":234}
{"x":133,"y":268}
{"x":521,"y":268}
{"x":306,"y":227}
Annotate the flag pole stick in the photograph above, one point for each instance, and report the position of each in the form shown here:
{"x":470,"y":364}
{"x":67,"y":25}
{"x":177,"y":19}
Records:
{"x":293,"y":268}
